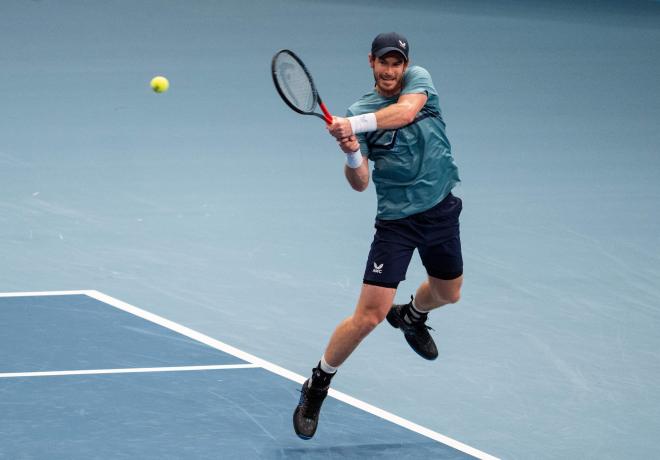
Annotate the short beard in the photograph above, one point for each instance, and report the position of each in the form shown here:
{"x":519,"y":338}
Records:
{"x":398,"y":87}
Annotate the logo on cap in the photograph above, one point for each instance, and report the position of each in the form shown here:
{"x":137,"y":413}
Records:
{"x":403,"y":44}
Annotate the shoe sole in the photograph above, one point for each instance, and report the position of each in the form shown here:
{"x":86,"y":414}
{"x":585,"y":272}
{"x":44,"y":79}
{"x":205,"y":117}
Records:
{"x":300,"y":435}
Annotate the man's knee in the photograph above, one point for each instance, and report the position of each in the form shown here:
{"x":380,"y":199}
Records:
{"x":372,"y":307}
{"x":369,"y":315}
{"x":452,"y":296}
{"x":446,"y":292}
{"x":366,"y":321}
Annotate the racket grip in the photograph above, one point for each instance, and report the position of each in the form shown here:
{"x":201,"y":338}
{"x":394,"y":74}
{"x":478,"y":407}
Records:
{"x":326,"y":113}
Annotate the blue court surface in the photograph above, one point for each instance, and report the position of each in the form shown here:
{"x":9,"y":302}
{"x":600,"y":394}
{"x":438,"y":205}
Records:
{"x":217,"y":207}
{"x":84,"y":376}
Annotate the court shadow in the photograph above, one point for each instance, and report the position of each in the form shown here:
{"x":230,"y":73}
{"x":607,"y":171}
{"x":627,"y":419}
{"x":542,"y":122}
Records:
{"x":376,"y":450}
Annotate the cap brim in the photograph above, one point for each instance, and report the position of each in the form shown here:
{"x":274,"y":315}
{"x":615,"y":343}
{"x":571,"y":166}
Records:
{"x":384,"y":51}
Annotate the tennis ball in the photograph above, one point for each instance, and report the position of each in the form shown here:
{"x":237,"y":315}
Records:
{"x":159,"y":84}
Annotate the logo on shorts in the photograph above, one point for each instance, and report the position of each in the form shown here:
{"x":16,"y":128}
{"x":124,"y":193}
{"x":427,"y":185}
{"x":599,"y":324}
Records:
{"x":378,"y":268}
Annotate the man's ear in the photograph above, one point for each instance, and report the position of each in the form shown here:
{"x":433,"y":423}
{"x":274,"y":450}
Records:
{"x":371,"y":61}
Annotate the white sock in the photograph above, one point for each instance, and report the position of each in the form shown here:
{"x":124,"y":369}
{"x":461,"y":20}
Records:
{"x":413,"y":314}
{"x":327,"y":368}
{"x":419,"y":310}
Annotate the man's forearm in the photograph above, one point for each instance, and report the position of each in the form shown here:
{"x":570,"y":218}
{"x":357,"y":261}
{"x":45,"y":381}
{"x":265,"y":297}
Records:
{"x":358,"y":177}
{"x":391,"y":117}
{"x":396,"y":115}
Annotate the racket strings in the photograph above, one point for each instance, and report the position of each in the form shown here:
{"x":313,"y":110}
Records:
{"x":295,"y":83}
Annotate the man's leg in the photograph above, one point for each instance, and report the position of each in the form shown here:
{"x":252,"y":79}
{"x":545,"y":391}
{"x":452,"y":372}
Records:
{"x":434,"y":293}
{"x":372,"y":306}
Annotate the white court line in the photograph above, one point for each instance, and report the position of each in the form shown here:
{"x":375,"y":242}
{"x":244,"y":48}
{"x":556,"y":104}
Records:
{"x":134,"y":370}
{"x":258,"y":362}
{"x":42,"y":293}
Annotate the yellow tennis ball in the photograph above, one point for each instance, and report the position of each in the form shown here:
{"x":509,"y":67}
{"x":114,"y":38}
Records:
{"x":159,"y":84}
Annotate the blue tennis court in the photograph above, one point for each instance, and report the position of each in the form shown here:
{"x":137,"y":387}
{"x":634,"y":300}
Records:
{"x":87,"y":376}
{"x":216,"y":207}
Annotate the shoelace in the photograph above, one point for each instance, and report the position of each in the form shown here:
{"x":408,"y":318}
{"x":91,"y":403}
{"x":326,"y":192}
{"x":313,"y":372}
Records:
{"x":415,"y":329}
{"x":412,"y":327}
{"x":312,"y":402}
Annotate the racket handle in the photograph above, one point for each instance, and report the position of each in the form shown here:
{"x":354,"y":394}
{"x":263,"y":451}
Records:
{"x":326,"y":113}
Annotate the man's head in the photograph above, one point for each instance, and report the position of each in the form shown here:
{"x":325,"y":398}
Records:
{"x":389,"y":60}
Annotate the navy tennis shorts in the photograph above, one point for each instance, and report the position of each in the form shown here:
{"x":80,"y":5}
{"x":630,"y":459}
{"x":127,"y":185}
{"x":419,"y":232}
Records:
{"x":434,"y":233}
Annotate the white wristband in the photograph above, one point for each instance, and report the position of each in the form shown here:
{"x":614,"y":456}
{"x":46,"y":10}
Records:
{"x":354,"y":160}
{"x":363,"y":123}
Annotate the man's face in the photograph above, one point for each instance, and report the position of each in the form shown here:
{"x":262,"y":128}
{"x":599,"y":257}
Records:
{"x":388,"y":72}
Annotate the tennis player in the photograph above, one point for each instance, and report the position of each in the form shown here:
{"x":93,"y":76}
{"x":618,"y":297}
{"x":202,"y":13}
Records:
{"x":398,"y":126}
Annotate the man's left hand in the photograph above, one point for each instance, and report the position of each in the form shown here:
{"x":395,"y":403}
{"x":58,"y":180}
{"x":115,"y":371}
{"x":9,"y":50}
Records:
{"x":340,"y":128}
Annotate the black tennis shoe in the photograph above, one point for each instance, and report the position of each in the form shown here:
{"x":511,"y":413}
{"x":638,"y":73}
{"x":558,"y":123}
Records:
{"x":416,"y":333}
{"x":306,"y":415}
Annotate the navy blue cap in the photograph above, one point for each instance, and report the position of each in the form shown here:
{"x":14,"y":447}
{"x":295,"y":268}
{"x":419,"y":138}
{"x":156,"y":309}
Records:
{"x":390,"y":41}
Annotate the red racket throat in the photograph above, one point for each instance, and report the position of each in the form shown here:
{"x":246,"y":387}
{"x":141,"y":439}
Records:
{"x":326,"y":112}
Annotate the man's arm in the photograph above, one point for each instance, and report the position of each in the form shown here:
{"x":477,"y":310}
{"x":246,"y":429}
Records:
{"x":393,"y":116}
{"x":402,"y":113}
{"x":358,"y":177}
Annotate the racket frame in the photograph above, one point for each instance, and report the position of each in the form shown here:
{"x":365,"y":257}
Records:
{"x":327,"y":117}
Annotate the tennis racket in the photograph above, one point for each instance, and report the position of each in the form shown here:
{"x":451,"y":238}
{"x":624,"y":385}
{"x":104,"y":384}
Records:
{"x":295,"y":85}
